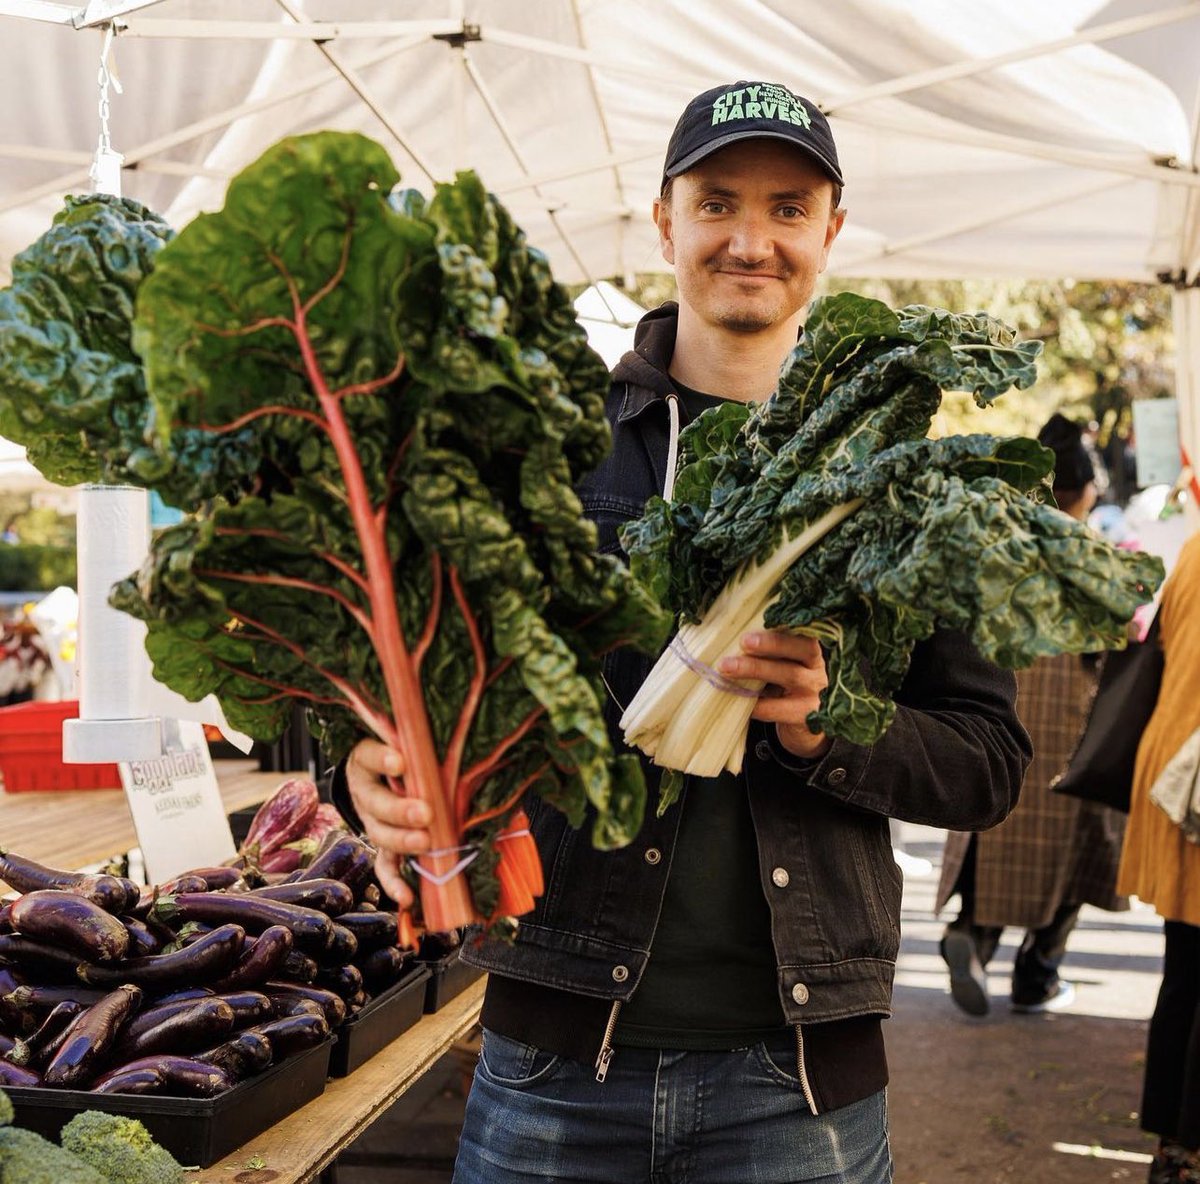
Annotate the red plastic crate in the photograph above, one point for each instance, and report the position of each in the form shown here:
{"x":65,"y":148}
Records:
{"x":31,"y":751}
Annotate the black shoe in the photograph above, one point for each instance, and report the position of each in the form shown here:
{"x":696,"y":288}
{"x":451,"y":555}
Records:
{"x":968,"y":983}
{"x":1060,"y":995}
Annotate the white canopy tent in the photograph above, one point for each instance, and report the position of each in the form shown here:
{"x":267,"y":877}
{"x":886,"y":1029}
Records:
{"x":978,"y":138}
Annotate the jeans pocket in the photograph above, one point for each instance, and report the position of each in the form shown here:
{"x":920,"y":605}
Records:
{"x":778,"y":1060}
{"x":514,"y":1064}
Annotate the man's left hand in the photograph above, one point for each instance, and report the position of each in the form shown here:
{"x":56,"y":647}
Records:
{"x":794,"y":670}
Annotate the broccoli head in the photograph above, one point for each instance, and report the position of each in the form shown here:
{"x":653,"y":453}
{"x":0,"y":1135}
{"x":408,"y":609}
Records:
{"x":6,"y":1109}
{"x":27,"y":1158}
{"x":120,"y":1149}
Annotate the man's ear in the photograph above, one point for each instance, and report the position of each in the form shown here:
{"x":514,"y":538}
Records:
{"x":662,"y":219}
{"x":836,"y":219}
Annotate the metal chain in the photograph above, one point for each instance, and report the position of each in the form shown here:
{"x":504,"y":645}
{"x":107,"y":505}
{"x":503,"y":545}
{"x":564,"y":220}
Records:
{"x":105,"y":77}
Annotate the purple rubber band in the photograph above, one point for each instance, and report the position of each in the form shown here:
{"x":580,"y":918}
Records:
{"x":713,"y":677}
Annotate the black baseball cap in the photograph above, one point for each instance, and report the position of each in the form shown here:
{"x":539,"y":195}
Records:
{"x":744,"y":111}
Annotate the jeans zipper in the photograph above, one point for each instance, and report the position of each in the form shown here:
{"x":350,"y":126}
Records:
{"x":802,"y":1069}
{"x":606,"y":1045}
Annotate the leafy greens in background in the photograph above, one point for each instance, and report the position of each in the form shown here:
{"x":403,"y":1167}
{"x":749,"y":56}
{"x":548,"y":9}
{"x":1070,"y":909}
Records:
{"x":827,"y":511}
{"x":410,"y":559}
{"x":72,"y":389}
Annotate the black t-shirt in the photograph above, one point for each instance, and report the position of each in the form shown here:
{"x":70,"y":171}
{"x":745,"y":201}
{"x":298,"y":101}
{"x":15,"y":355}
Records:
{"x":711,"y":982}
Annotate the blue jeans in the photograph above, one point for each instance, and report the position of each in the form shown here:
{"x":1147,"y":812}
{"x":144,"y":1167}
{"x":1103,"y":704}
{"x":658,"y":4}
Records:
{"x":661,"y":1118}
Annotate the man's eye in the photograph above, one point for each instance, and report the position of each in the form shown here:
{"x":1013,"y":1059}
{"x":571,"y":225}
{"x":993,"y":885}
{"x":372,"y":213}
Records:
{"x":713,"y":207}
{"x":791,"y":212}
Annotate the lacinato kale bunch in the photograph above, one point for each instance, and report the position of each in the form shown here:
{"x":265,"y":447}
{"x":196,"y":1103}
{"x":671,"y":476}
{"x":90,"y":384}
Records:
{"x":827,"y":511}
{"x":72,"y":387}
{"x":409,"y":559}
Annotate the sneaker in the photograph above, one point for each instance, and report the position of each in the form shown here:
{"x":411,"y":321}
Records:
{"x":1063,"y":995}
{"x":968,"y":983}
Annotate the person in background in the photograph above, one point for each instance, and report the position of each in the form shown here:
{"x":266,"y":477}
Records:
{"x":1160,"y":867}
{"x":1054,"y":853}
{"x":705,"y":1004}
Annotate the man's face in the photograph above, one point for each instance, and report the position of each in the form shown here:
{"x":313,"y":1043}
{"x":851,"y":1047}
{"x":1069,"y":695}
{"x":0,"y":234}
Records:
{"x":748,"y":230}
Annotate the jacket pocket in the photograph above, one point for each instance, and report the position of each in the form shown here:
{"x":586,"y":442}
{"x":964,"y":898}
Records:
{"x":610,"y":512}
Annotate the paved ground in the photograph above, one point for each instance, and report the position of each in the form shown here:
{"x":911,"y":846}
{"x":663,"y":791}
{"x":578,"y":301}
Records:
{"x":1013,"y":1099}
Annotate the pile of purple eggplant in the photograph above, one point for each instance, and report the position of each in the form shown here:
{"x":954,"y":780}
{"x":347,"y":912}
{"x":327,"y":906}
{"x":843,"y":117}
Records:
{"x":188,"y":987}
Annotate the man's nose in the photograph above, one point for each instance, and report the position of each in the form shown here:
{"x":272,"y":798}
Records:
{"x":751,"y":241}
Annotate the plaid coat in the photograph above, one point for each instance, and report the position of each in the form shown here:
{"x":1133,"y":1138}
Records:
{"x":1053,"y":849}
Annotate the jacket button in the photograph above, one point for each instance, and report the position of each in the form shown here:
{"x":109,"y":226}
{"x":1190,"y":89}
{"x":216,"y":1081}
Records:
{"x":780,"y":878}
{"x":836,"y":776}
{"x":800,"y":993}
{"x":653,"y":855}
{"x":620,"y":973}
{"x":762,"y":750}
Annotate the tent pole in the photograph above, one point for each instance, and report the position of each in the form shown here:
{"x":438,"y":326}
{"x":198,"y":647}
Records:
{"x":989,"y":217}
{"x":135,"y":156}
{"x":506,"y":132}
{"x":356,"y":83}
{"x":974,"y":66}
{"x":1163,"y":173}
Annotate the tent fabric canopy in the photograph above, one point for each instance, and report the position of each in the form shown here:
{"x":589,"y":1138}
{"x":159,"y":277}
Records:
{"x":1025,"y":139}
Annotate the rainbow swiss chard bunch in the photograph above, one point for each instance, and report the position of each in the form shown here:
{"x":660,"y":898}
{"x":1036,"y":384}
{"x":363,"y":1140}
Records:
{"x":410,"y":560}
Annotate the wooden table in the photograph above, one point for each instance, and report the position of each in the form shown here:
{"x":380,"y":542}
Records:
{"x":72,"y":828}
{"x":299,"y":1147}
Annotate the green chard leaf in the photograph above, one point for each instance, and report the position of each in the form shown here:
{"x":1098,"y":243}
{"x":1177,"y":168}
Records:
{"x":421,"y":402}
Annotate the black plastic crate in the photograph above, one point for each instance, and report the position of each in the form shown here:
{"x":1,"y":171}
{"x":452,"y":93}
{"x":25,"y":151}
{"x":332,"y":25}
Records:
{"x":449,"y":976}
{"x":379,"y":1023}
{"x":197,"y":1131}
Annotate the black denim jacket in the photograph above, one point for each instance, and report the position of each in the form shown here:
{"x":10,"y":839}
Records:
{"x":953,"y":757}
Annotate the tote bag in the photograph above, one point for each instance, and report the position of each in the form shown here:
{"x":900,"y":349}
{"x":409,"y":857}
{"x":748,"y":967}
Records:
{"x":1101,"y":769}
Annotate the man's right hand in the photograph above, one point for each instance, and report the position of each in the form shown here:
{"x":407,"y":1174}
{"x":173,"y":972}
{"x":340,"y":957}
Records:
{"x":397,"y":825}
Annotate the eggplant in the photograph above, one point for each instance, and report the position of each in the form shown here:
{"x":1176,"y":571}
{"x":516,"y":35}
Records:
{"x":142,"y":939}
{"x":331,"y":897}
{"x":42,"y":1044}
{"x":181,"y":994}
{"x":13,"y":1019}
{"x":343,"y":947}
{"x":6,"y":925}
{"x":39,"y":999}
{"x":249,"y":1007}
{"x":292,"y":1033}
{"x":283,"y":817}
{"x":197,"y":1024}
{"x":189,"y":934}
{"x":260,"y":959}
{"x":14,"y":1075}
{"x":282,"y":1005}
{"x":188,"y":882}
{"x":298,"y":968}
{"x":7,"y":1044}
{"x":372,"y":929}
{"x":91,"y":1037}
{"x":180,"y":1077}
{"x":382,"y":967}
{"x":346,"y":858}
{"x":311,"y":929}
{"x":146,"y":898}
{"x":37,"y":959}
{"x":241,"y":1056}
{"x":210,"y":957}
{"x":26,"y":875}
{"x":218,"y":879}
{"x":345,"y":981}
{"x":64,"y":919}
{"x":153,"y":1015}
{"x":333,"y":1007}
{"x":365,"y":906}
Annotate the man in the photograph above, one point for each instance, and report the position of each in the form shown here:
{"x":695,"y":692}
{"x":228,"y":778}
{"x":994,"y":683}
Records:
{"x":705,"y":1004}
